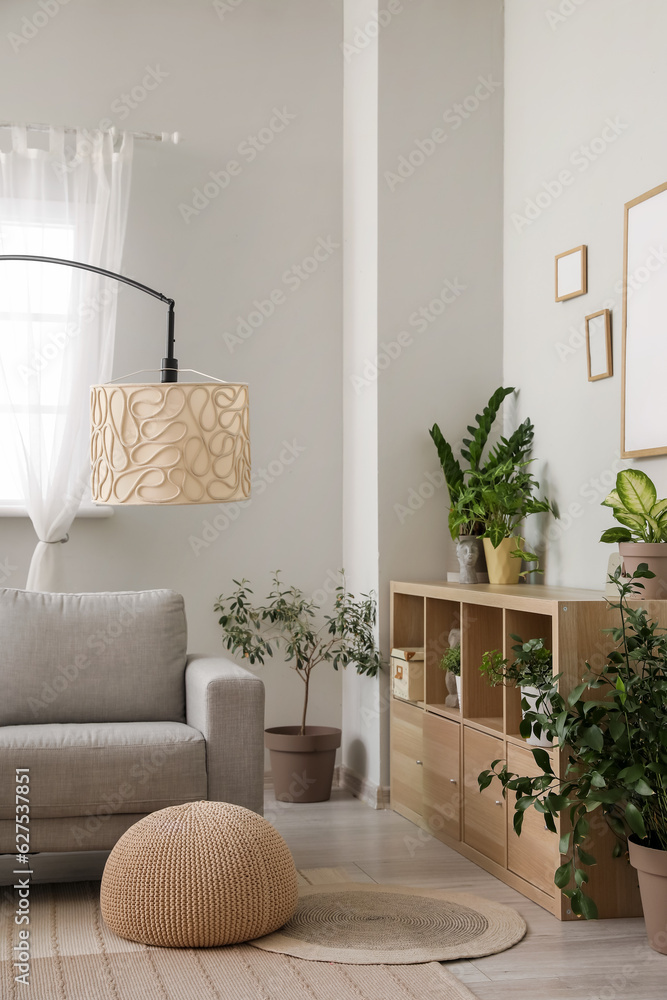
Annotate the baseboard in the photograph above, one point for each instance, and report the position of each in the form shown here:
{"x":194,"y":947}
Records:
{"x":375,"y":796}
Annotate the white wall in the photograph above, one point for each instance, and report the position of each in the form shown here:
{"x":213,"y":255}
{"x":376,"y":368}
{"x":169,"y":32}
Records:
{"x":567,"y":76}
{"x":440,"y":252}
{"x":225,"y":75}
{"x":361,"y":705}
{"x":439,"y":189}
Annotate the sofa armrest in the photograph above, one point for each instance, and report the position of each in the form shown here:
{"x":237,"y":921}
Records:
{"x":226,"y":704}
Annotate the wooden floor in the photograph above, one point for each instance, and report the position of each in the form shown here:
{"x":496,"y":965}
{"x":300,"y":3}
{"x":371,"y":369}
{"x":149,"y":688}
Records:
{"x":595,"y":960}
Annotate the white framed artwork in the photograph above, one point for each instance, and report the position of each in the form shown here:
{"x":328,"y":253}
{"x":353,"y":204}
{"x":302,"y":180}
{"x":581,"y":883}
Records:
{"x":644,"y":364}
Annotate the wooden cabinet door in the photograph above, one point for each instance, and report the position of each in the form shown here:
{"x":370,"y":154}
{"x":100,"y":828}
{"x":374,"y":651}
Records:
{"x":534,"y":855}
{"x":407,"y":769}
{"x":442,"y":780}
{"x":484,"y":824}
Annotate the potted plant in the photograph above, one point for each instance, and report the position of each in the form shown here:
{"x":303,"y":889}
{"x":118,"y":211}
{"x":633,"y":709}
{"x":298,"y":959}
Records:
{"x":451,"y":663}
{"x":643,"y":534}
{"x":612,"y":729}
{"x":302,"y":756}
{"x":464,"y":523}
{"x":532,"y":672}
{"x":501,"y":497}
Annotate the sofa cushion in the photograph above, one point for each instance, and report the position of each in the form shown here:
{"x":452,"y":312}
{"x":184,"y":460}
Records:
{"x":93,"y":770}
{"x":116,"y":657}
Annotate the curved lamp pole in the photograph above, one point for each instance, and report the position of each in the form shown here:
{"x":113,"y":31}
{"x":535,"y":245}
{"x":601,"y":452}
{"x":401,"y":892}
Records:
{"x":169,"y":370}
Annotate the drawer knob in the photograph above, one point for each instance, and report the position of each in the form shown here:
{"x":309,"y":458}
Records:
{"x":452,"y":781}
{"x":499,"y":802}
{"x":420,"y":762}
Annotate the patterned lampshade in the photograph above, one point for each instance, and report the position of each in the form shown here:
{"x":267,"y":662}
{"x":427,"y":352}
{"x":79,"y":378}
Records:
{"x":170,"y":443}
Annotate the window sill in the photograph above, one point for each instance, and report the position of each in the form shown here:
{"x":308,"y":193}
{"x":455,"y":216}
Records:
{"x":93,"y":511}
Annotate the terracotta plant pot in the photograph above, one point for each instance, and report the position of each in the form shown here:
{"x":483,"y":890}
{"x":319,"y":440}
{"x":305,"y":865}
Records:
{"x":653,"y":553}
{"x":651,"y":868}
{"x":302,"y":766}
{"x":501,"y":566}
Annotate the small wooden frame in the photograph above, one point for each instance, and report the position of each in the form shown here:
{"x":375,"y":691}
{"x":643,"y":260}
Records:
{"x":571,"y":273}
{"x":598,"y":345}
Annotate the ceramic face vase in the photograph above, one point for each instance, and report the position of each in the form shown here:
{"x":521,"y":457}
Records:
{"x":467,"y":550}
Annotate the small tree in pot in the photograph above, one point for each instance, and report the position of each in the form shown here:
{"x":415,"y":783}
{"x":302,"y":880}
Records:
{"x":302,"y":757}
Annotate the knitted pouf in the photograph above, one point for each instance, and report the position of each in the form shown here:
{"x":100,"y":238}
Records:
{"x":198,"y":875}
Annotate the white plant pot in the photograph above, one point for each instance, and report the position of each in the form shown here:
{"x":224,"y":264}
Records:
{"x":458,"y":690}
{"x":531,"y":694}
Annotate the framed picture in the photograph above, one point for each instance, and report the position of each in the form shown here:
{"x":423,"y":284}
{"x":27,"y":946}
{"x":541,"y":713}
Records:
{"x":571,"y":273}
{"x":644,"y":373}
{"x":598,"y":345}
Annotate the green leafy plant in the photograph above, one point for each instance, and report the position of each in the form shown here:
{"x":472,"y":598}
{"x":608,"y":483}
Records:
{"x":286,"y":621}
{"x":451,"y":660}
{"x":635,"y":505}
{"x":513,"y":449}
{"x":532,"y":665}
{"x":500,"y":498}
{"x":613,"y":730}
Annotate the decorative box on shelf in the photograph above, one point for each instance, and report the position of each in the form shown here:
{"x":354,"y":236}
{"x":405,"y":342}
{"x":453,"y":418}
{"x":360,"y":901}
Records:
{"x":407,"y":672}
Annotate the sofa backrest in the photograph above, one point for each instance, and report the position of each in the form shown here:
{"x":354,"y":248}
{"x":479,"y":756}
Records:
{"x":117,"y":657}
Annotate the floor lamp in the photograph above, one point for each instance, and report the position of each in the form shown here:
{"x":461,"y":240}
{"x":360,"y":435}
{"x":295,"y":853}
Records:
{"x":169,"y":442}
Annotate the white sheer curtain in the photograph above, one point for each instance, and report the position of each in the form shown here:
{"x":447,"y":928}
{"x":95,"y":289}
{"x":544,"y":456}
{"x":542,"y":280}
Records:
{"x":56,"y":323}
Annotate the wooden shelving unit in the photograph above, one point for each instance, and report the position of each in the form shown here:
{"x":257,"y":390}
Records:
{"x":437,"y":752}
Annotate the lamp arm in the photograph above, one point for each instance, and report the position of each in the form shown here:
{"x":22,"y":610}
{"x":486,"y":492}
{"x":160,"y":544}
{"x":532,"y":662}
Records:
{"x":169,"y":371}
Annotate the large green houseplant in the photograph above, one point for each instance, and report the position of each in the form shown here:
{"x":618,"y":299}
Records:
{"x":491,"y":496}
{"x":642,"y":536}
{"x":302,"y":756}
{"x":612,"y":729}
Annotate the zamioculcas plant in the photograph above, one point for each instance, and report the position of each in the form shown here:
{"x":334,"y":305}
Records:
{"x":514,"y":449}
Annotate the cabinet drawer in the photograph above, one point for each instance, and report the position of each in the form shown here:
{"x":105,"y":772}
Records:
{"x":534,"y":855}
{"x":484,"y":826}
{"x":406,"y":759}
{"x":442,"y":780}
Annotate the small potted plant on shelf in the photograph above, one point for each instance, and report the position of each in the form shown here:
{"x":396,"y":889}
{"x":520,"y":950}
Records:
{"x":451,"y":663}
{"x":643,"y":532}
{"x":465,"y":526}
{"x":302,"y":756}
{"x":531,"y":671}
{"x":489,"y":501}
{"x":612,"y":730}
{"x":501,"y":497}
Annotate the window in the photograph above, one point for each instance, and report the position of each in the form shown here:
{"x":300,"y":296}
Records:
{"x":34,"y":301}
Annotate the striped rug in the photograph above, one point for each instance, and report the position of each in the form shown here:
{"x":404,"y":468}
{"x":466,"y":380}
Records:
{"x":73,"y":956}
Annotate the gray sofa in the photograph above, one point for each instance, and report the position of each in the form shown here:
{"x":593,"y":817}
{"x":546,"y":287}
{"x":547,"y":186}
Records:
{"x":99,"y":699}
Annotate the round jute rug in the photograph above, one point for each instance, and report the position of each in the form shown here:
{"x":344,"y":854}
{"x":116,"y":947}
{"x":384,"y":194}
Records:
{"x":366,"y":924}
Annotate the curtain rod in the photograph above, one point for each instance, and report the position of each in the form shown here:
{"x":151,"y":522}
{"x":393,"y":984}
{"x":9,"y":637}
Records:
{"x":174,"y":137}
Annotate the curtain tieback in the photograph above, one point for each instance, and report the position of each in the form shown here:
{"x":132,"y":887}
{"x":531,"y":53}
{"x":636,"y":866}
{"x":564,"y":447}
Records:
{"x":58,"y":541}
